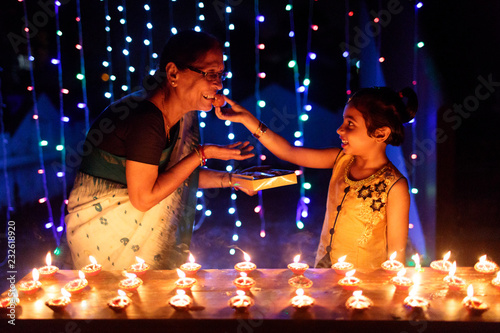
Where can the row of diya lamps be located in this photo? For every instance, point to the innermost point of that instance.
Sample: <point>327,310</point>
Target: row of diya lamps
<point>360,302</point>
<point>130,283</point>
<point>241,302</point>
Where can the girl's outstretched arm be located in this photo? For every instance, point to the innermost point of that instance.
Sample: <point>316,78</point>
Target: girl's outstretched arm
<point>398,209</point>
<point>306,157</point>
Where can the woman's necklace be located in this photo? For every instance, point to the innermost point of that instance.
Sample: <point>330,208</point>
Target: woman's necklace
<point>165,120</point>
<point>358,183</point>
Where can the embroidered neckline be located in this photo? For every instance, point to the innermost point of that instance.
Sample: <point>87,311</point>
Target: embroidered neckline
<point>358,183</point>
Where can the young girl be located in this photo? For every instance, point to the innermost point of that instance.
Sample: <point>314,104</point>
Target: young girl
<point>368,201</point>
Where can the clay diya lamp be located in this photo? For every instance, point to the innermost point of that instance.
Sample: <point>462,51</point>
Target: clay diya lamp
<point>49,269</point>
<point>184,282</point>
<point>296,267</point>
<point>244,282</point>
<point>358,301</point>
<point>245,266</point>
<point>120,302</point>
<point>241,302</point>
<point>341,266</point>
<point>93,268</point>
<point>77,285</point>
<point>442,266</point>
<point>59,303</point>
<point>301,302</point>
<point>130,283</point>
<point>415,302</point>
<point>350,282</point>
<point>401,281</point>
<point>496,281</point>
<point>139,268</point>
<point>10,302</point>
<point>484,266</point>
<point>190,268</point>
<point>30,287</point>
<point>474,304</point>
<point>453,282</point>
<point>392,265</point>
<point>181,301</point>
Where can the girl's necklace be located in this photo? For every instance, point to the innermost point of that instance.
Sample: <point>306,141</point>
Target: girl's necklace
<point>358,183</point>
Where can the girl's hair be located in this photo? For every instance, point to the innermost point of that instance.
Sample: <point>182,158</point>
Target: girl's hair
<point>382,106</point>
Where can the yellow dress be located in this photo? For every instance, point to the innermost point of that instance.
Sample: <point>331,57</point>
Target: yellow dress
<point>356,221</point>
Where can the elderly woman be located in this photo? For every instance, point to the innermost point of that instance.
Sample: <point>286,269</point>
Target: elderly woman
<point>135,193</point>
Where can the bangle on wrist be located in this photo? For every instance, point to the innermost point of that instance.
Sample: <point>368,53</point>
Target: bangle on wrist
<point>260,130</point>
<point>201,155</point>
<point>230,179</point>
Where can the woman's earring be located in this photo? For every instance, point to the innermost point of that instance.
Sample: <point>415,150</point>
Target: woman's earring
<point>173,83</point>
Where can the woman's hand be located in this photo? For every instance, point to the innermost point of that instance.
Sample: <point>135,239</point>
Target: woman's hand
<point>235,151</point>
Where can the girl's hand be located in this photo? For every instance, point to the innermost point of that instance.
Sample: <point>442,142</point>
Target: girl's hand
<point>236,113</point>
<point>235,151</point>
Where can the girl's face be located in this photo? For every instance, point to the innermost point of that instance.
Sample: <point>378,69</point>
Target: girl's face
<point>354,134</point>
<point>195,90</point>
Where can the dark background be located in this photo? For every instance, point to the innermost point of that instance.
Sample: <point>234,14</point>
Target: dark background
<point>461,44</point>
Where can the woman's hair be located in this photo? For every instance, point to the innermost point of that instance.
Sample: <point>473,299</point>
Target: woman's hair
<point>382,106</point>
<point>183,49</point>
<point>186,47</point>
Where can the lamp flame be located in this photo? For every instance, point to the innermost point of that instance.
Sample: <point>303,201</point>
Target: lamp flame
<point>191,258</point>
<point>453,269</point>
<point>483,258</point>
<point>121,293</point>
<point>139,260</point>
<point>350,273</point>
<point>65,293</point>
<point>402,272</point>
<point>181,274</point>
<point>81,275</point>
<point>181,292</point>
<point>447,256</point>
<point>470,291</point>
<point>342,259</point>
<point>35,274</point>
<point>243,274</point>
<point>357,293</point>
<point>296,258</point>
<point>48,259</point>
<point>131,275</point>
<point>299,292</point>
<point>240,292</point>
<point>393,255</point>
<point>92,260</point>
<point>416,259</point>
<point>246,256</point>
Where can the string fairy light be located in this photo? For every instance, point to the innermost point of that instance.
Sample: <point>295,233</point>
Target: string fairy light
<point>57,231</point>
<point>84,104</point>
<point>108,64</point>
<point>260,104</point>
<point>301,105</point>
<point>36,117</point>
<point>126,49</point>
<point>5,173</point>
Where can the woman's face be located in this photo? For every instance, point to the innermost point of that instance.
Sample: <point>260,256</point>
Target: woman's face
<point>195,91</point>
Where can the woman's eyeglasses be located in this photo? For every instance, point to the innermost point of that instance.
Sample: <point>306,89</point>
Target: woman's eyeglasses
<point>210,76</point>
